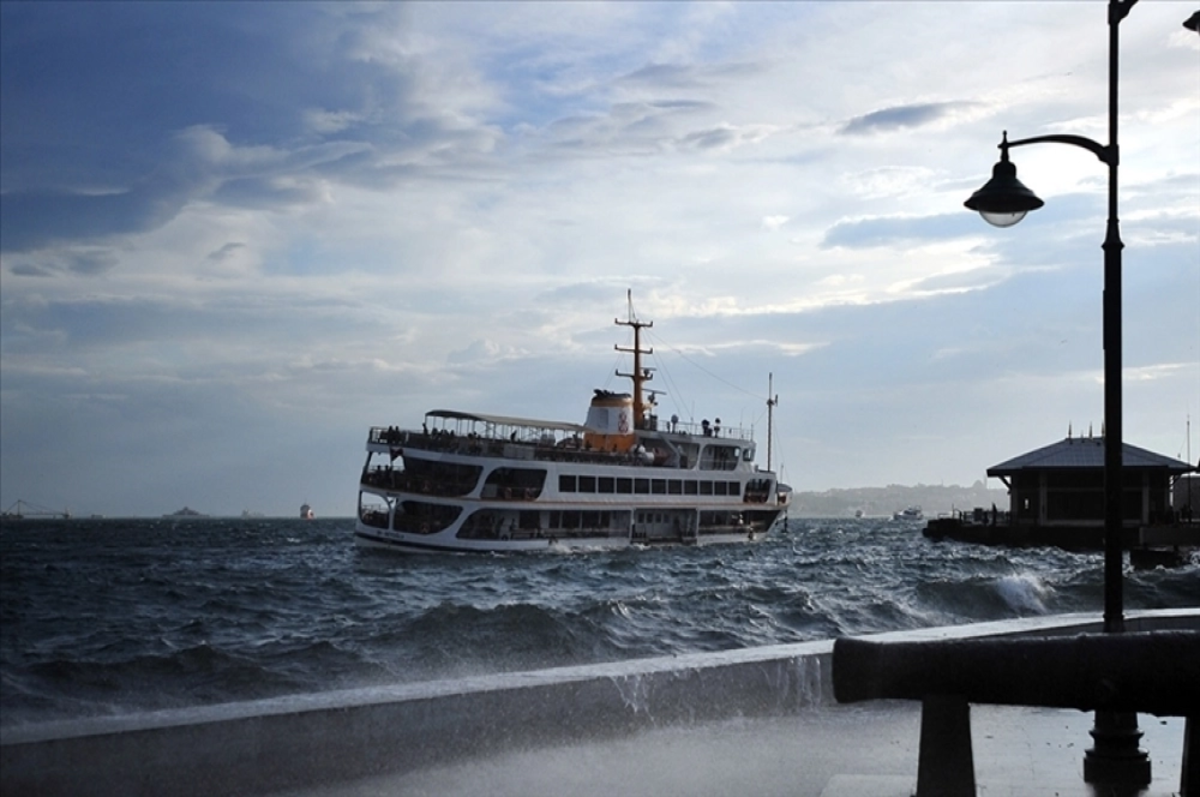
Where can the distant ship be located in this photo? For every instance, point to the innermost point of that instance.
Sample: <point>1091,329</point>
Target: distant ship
<point>910,513</point>
<point>186,512</point>
<point>306,512</point>
<point>473,482</point>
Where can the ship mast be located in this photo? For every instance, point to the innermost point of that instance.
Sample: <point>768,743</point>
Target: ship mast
<point>640,375</point>
<point>772,400</point>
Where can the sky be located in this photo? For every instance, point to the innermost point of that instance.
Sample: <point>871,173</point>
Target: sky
<point>234,236</point>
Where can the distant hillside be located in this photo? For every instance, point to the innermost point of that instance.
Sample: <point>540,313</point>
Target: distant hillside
<point>934,499</point>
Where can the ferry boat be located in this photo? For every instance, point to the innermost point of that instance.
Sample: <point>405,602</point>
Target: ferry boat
<point>469,482</point>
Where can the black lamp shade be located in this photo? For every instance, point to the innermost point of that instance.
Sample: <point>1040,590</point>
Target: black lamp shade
<point>1004,193</point>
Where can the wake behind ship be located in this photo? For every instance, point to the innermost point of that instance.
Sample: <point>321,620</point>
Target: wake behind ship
<point>468,482</point>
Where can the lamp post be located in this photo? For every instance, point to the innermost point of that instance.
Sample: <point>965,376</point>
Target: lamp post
<point>1004,201</point>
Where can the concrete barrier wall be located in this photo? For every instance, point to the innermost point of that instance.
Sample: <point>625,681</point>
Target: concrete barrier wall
<point>260,746</point>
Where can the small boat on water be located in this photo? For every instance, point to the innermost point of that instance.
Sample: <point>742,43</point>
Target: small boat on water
<point>909,513</point>
<point>470,482</point>
<point>306,512</point>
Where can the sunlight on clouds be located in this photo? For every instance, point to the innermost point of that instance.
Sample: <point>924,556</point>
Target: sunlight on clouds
<point>484,351</point>
<point>797,349</point>
<point>889,182</point>
<point>1160,371</point>
<point>841,280</point>
<point>1172,111</point>
<point>774,222</point>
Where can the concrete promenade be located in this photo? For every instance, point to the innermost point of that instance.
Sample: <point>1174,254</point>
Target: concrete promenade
<point>756,721</point>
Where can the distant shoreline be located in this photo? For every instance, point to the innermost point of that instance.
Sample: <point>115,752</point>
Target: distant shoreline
<point>873,502</point>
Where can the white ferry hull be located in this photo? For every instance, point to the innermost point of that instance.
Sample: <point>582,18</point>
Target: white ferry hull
<point>374,539</point>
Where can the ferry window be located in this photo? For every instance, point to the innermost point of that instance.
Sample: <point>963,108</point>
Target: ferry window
<point>624,484</point>
<point>556,520</point>
<point>606,484</point>
<point>658,486</point>
<point>587,484</point>
<point>720,488</point>
<point>706,488</point>
<point>735,488</point>
<point>748,455</point>
<point>566,484</point>
<point>690,487</point>
<point>641,486</point>
<point>675,487</point>
<point>570,520</point>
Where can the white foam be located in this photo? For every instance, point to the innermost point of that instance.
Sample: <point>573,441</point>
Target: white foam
<point>1024,592</point>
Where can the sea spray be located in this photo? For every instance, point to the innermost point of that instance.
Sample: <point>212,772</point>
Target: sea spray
<point>635,691</point>
<point>1025,593</point>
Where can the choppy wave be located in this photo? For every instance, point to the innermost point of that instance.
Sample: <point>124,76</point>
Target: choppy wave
<point>104,617</point>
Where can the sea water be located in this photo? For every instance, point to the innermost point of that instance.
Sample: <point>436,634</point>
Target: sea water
<point>113,616</point>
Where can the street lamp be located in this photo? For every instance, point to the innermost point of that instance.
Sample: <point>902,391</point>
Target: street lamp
<point>1003,201</point>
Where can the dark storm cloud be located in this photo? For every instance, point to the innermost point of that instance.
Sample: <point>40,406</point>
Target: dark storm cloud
<point>34,219</point>
<point>900,117</point>
<point>116,115</point>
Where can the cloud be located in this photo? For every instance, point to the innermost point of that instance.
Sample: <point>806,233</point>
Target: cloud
<point>225,252</point>
<point>86,263</point>
<point>481,351</point>
<point>966,280</point>
<point>903,117</point>
<point>690,76</point>
<point>256,121</point>
<point>893,230</point>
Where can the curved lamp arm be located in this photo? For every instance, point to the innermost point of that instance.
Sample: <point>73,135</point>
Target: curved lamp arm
<point>1108,155</point>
